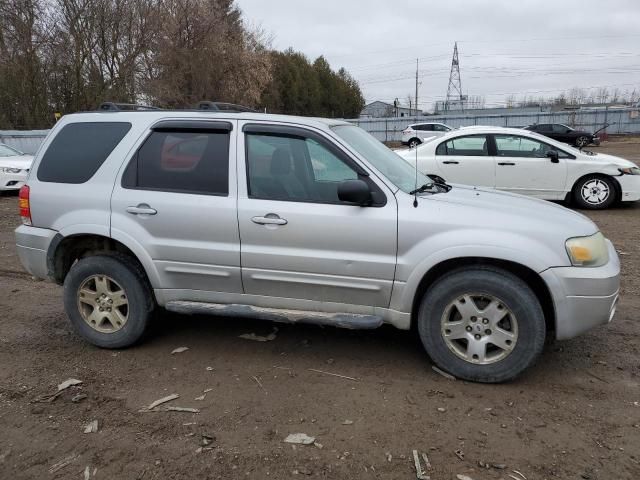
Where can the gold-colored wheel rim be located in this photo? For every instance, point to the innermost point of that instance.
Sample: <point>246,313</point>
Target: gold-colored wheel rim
<point>103,304</point>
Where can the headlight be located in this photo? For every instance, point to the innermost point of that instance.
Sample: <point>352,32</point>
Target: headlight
<point>588,251</point>
<point>10,170</point>
<point>630,171</point>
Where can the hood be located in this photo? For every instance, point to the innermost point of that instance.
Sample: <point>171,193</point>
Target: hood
<point>21,161</point>
<point>527,209</point>
<point>489,218</point>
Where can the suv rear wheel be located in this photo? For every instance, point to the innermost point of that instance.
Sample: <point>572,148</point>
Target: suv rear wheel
<point>482,324</point>
<point>108,300</point>
<point>414,142</point>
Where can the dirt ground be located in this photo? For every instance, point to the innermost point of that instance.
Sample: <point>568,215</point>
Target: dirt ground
<point>576,415</point>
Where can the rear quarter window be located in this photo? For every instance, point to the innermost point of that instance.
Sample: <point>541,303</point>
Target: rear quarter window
<point>79,149</point>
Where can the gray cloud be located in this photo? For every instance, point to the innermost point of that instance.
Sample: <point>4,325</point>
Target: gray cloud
<point>525,47</point>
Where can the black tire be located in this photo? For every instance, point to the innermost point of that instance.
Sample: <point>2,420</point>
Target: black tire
<point>130,276</point>
<point>414,142</point>
<point>582,202</point>
<point>582,141</point>
<point>514,293</point>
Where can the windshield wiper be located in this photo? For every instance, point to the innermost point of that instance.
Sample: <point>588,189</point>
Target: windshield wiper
<point>437,185</point>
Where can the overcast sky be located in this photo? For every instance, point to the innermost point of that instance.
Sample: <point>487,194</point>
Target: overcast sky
<point>526,47</point>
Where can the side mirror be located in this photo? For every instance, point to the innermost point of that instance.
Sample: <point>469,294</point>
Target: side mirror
<point>354,191</point>
<point>553,156</point>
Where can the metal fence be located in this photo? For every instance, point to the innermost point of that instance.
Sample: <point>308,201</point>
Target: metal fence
<point>621,121</point>
<point>26,141</point>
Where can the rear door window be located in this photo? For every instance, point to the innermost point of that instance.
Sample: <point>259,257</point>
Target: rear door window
<point>79,150</point>
<point>179,161</point>
<point>470,146</point>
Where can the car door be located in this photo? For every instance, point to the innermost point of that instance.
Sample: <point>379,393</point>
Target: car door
<point>523,166</point>
<point>426,131</point>
<point>298,240</point>
<point>465,159</point>
<point>177,201</point>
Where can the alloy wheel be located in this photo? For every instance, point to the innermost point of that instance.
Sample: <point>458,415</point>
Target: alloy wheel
<point>479,328</point>
<point>103,303</point>
<point>595,191</point>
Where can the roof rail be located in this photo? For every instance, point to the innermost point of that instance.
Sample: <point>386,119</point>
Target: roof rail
<point>222,106</point>
<point>117,107</point>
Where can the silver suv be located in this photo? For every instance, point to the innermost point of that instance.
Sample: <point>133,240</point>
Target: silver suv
<point>302,220</point>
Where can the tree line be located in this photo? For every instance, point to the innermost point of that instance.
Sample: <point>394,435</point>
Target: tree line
<point>71,55</point>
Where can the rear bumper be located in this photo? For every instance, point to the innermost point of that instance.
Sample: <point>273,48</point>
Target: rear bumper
<point>630,185</point>
<point>33,244</point>
<point>584,297</point>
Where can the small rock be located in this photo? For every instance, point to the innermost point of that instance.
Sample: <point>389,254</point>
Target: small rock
<point>92,427</point>
<point>209,369</point>
<point>348,422</point>
<point>207,439</point>
<point>499,466</point>
<point>37,410</point>
<point>179,350</point>
<point>463,477</point>
<point>299,438</point>
<point>78,398</point>
<point>68,383</point>
<point>442,409</point>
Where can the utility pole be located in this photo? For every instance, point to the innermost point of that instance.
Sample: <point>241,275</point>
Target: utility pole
<point>416,88</point>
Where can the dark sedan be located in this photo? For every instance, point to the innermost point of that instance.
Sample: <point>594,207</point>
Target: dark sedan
<point>563,133</point>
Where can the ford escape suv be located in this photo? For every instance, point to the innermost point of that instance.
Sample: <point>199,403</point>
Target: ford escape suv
<point>302,220</point>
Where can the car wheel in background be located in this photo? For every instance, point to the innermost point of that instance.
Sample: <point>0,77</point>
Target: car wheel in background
<point>595,192</point>
<point>582,141</point>
<point>108,300</point>
<point>414,142</point>
<point>482,324</point>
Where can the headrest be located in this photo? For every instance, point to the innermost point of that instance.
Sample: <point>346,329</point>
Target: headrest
<point>281,162</point>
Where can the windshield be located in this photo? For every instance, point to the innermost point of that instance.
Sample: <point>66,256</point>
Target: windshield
<point>8,152</point>
<point>392,166</point>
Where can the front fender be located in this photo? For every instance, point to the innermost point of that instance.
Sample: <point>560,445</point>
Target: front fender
<point>417,262</point>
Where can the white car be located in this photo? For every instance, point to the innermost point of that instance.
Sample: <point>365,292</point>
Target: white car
<point>14,168</point>
<point>521,161</point>
<point>417,133</point>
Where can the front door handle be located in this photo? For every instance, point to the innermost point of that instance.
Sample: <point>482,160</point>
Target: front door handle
<point>450,162</point>
<point>506,163</point>
<point>269,219</point>
<point>141,209</point>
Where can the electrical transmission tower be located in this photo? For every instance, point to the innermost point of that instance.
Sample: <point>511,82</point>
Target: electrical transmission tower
<point>454,90</point>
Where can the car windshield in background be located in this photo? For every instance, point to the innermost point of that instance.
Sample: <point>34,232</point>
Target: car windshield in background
<point>392,166</point>
<point>8,152</point>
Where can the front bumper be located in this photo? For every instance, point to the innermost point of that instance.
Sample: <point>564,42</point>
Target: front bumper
<point>13,181</point>
<point>630,186</point>
<point>33,244</point>
<point>584,297</point>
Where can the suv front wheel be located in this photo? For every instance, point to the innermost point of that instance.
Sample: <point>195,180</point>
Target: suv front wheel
<point>108,300</point>
<point>482,324</point>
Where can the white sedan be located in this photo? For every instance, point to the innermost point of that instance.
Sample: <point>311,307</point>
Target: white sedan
<point>525,162</point>
<point>14,168</point>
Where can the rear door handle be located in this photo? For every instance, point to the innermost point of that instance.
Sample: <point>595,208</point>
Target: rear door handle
<point>141,209</point>
<point>269,219</point>
<point>450,162</point>
<point>506,163</point>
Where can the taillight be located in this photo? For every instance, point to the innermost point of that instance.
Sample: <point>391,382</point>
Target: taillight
<point>25,207</point>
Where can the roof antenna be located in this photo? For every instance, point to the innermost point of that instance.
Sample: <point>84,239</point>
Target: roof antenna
<point>415,188</point>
